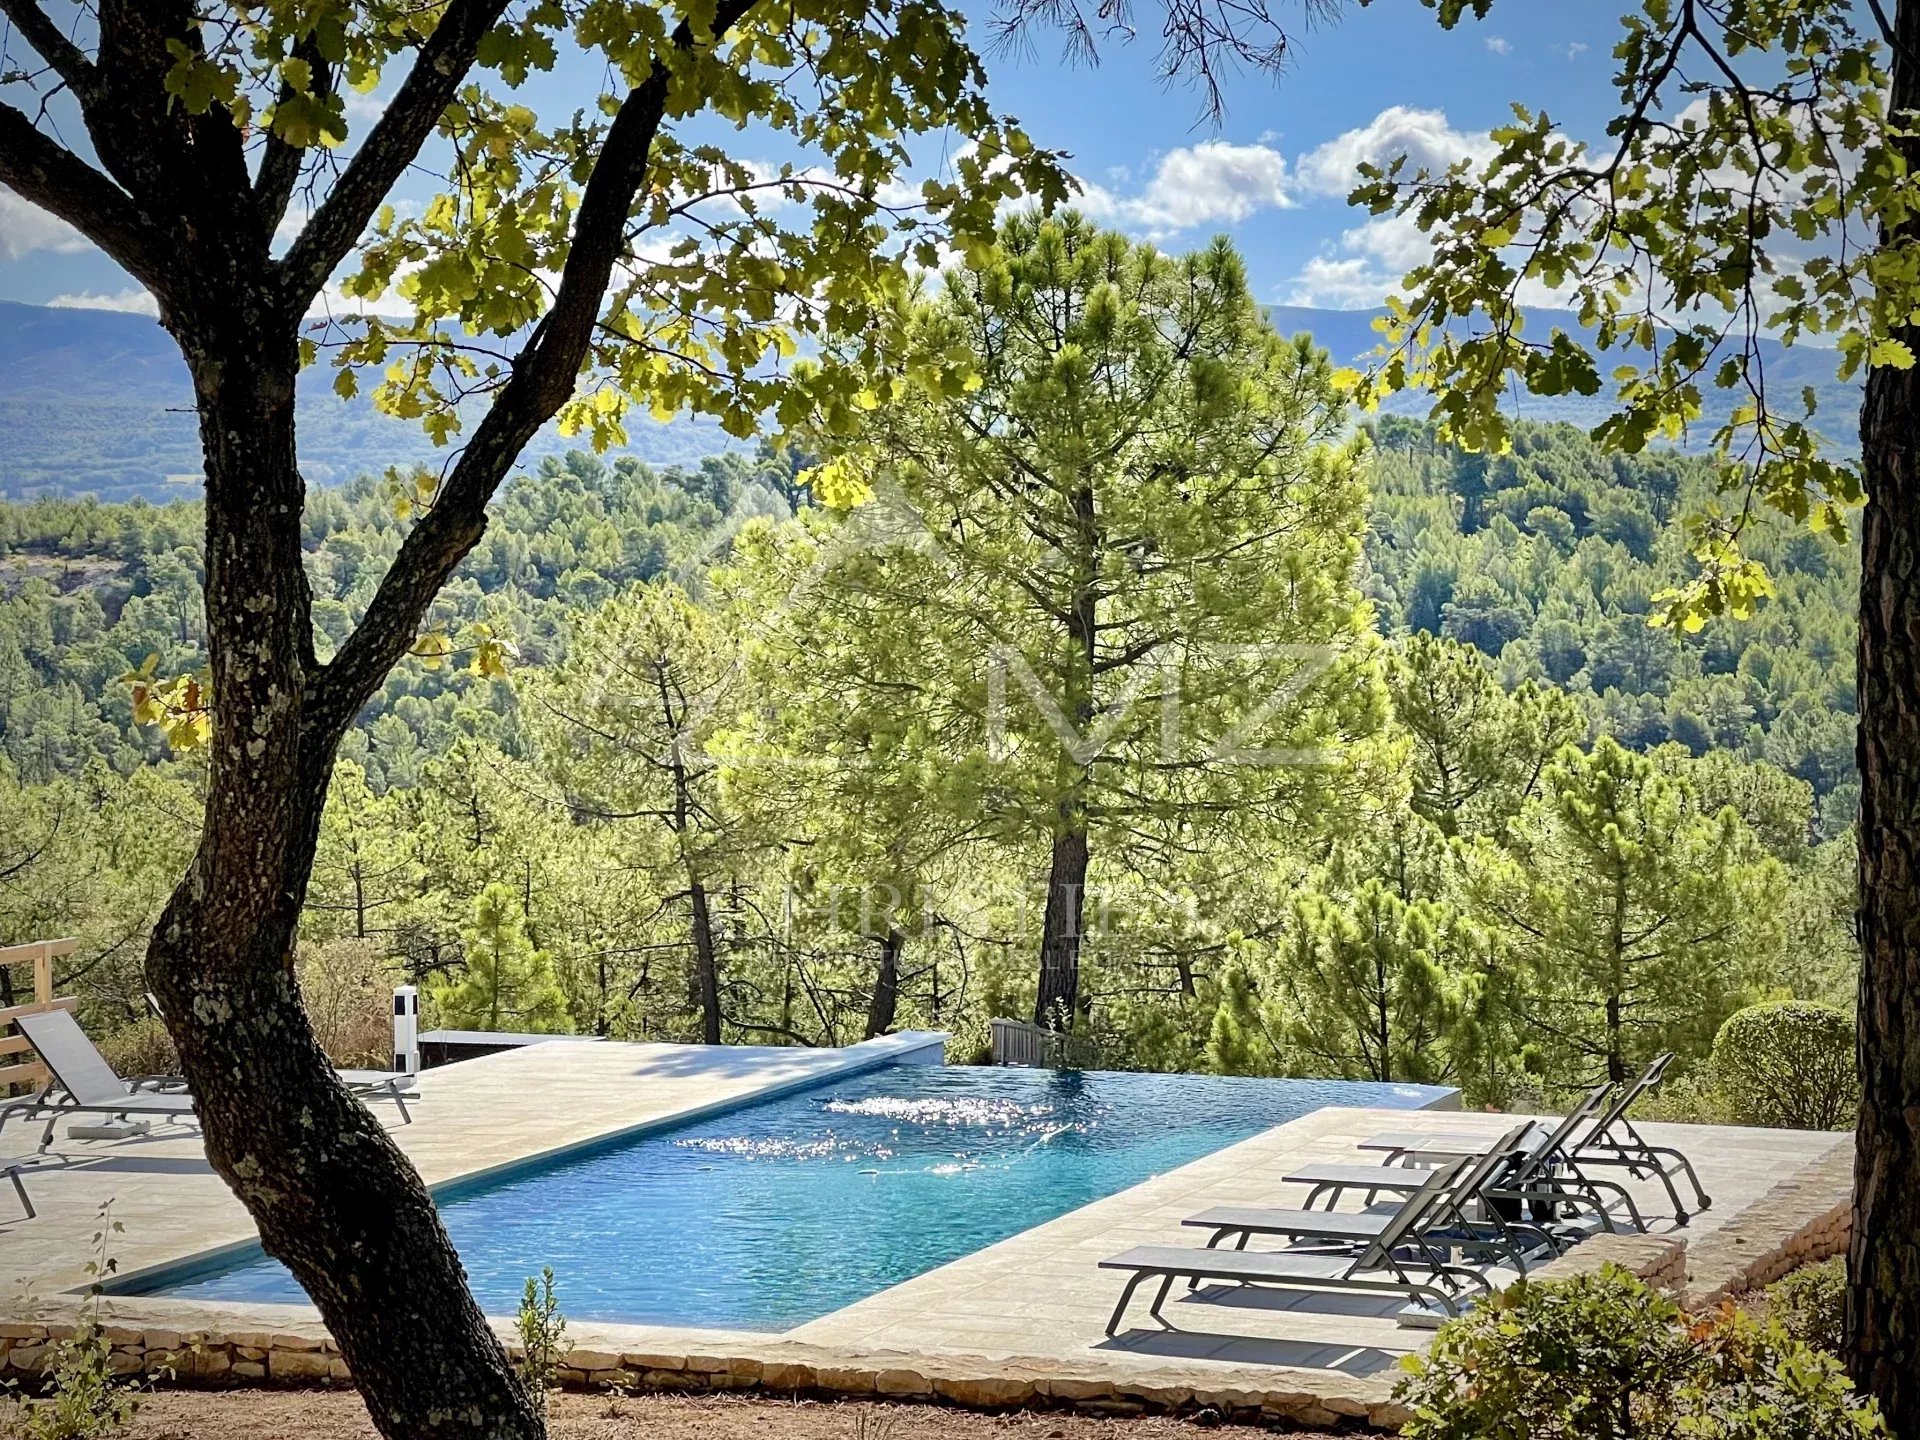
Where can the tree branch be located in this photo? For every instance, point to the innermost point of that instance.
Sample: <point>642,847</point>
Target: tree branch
<point>141,136</point>
<point>544,375</point>
<point>36,27</point>
<point>52,177</point>
<point>280,162</point>
<point>391,145</point>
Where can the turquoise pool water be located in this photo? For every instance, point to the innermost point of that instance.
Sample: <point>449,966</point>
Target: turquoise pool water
<point>768,1216</point>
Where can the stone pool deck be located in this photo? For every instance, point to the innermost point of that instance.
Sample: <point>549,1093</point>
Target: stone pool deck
<point>1020,1322</point>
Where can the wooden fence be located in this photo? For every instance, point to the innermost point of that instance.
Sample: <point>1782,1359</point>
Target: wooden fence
<point>39,955</point>
<point>1017,1043</point>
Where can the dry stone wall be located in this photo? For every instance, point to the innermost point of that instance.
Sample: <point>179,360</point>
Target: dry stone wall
<point>1323,1400</point>
<point>1806,1217</point>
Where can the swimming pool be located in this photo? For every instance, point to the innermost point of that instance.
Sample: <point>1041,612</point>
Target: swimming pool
<point>767,1216</point>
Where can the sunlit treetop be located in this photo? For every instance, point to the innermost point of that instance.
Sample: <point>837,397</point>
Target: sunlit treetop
<point>1740,195</point>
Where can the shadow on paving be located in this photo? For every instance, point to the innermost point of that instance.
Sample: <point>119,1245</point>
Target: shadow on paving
<point>1185,1341</point>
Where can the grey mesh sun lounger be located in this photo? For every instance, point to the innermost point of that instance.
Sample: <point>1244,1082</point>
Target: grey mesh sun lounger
<point>1438,1144</point>
<point>1452,1224</point>
<point>1612,1141</point>
<point>1380,1266</point>
<point>1615,1141</point>
<point>85,1084</point>
<point>1539,1178</point>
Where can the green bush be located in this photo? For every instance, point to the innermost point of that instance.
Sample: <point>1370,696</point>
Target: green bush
<point>142,1048</point>
<point>1607,1357</point>
<point>1788,1062</point>
<point>543,1337</point>
<point>1811,1304</point>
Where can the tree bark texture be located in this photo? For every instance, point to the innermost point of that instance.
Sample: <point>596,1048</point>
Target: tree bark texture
<point>1883,1302</point>
<point>886,986</point>
<point>706,963</point>
<point>333,1197</point>
<point>1057,1002</point>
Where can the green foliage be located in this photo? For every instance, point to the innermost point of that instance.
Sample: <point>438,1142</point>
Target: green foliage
<point>1788,1062</point>
<point>1810,1304</point>
<point>1606,1357</point>
<point>1641,919</point>
<point>1107,578</point>
<point>542,1331</point>
<point>1373,995</point>
<point>845,810</point>
<point>141,1048</point>
<point>1478,750</point>
<point>1751,184</point>
<point>508,984</point>
<point>81,1396</point>
<point>1461,546</point>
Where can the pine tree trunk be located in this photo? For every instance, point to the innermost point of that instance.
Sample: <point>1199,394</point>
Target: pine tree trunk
<point>332,1196</point>
<point>706,964</point>
<point>1058,1000</point>
<point>1883,1302</point>
<point>886,985</point>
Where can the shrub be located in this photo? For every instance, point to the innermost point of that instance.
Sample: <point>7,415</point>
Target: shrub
<point>142,1048</point>
<point>1811,1304</point>
<point>1788,1062</point>
<point>348,990</point>
<point>1607,1357</point>
<point>543,1337</point>
<point>81,1398</point>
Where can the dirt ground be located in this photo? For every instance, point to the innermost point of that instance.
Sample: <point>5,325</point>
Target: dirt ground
<point>330,1415</point>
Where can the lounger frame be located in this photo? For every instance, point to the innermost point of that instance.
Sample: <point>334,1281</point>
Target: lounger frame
<point>1378,1268</point>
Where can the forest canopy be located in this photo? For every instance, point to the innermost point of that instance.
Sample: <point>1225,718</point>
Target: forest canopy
<point>519,844</point>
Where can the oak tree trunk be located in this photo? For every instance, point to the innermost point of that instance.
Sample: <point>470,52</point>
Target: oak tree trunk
<point>332,1195</point>
<point>1883,1302</point>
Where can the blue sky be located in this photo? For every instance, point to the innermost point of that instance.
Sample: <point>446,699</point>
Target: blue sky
<point>1272,174</point>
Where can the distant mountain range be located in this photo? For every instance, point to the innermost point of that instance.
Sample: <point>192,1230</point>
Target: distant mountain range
<point>1349,337</point>
<point>98,402</point>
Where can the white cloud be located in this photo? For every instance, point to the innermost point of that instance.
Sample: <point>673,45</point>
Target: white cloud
<point>1498,45</point>
<point>1366,263</point>
<point>1350,282</point>
<point>1574,49</point>
<point>134,300</point>
<point>1423,136</point>
<point>25,228</point>
<point>1211,183</point>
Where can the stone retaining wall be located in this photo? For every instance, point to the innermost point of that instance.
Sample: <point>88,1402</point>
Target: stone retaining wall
<point>1660,1260</point>
<point>1322,1400</point>
<point>1804,1218</point>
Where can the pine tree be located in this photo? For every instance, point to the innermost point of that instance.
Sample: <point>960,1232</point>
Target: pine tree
<point>1122,590</point>
<point>1372,993</point>
<point>1638,920</point>
<point>508,985</point>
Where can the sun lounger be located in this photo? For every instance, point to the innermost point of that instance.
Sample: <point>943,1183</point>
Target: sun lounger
<point>1612,1140</point>
<point>1381,1265</point>
<point>1615,1141</point>
<point>20,1189</point>
<point>1407,1146</point>
<point>1466,1218</point>
<point>1539,1180</point>
<point>85,1084</point>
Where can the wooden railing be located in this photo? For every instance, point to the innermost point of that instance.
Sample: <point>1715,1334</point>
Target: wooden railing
<point>1017,1043</point>
<point>39,955</point>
